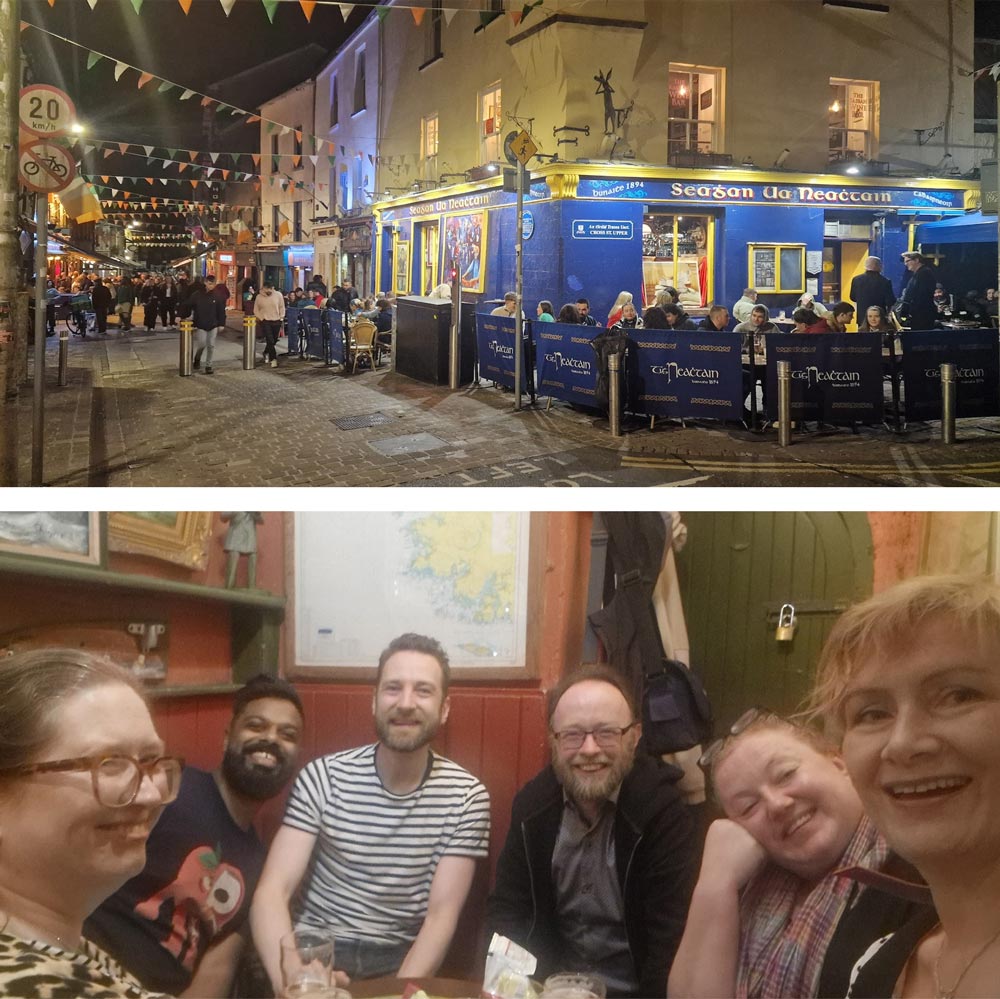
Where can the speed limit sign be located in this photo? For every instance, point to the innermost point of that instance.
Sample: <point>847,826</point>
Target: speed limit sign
<point>46,110</point>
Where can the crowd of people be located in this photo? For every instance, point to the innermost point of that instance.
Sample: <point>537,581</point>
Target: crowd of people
<point>859,857</point>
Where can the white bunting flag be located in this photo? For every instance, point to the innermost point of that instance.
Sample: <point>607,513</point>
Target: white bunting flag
<point>120,68</point>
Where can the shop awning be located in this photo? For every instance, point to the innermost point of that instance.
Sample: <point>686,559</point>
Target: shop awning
<point>972,228</point>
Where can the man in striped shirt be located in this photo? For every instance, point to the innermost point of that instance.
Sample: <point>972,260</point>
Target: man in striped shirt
<point>389,834</point>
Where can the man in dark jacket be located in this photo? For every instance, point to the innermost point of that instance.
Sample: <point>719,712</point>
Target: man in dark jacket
<point>102,297</point>
<point>342,296</point>
<point>598,866</point>
<point>716,321</point>
<point>871,288</point>
<point>919,309</point>
<point>208,311</point>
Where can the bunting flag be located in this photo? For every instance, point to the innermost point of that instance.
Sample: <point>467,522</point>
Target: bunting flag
<point>93,3</point>
<point>381,13</point>
<point>449,13</point>
<point>308,6</point>
<point>164,87</point>
<point>187,95</point>
<point>137,5</point>
<point>271,7</point>
<point>418,14</point>
<point>123,148</point>
<point>345,10</point>
<point>120,68</point>
<point>149,150</point>
<point>93,59</point>
<point>227,6</point>
<point>185,6</point>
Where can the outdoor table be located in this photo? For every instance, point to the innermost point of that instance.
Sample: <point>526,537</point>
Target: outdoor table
<point>436,988</point>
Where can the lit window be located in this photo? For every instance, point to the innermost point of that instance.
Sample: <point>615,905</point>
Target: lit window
<point>853,117</point>
<point>429,146</point>
<point>677,253</point>
<point>695,98</point>
<point>490,121</point>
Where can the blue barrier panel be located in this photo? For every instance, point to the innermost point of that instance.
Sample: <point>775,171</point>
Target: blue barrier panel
<point>836,377</point>
<point>495,342</point>
<point>292,328</point>
<point>335,323</point>
<point>313,321</point>
<point>687,374</point>
<point>976,356</point>
<point>567,364</point>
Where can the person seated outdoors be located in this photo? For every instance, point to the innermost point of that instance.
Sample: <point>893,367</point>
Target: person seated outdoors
<point>379,843</point>
<point>910,681</point>
<point>716,321</point>
<point>178,925</point>
<point>991,303</point>
<point>654,318</point>
<point>838,317</point>
<point>677,318</point>
<point>771,916</point>
<point>630,320</point>
<point>509,307</point>
<point>942,300</point>
<point>583,313</point>
<point>806,321</point>
<point>83,779</point>
<point>876,321</point>
<point>808,301</point>
<point>596,871</point>
<point>568,314</point>
<point>758,324</point>
<point>624,298</point>
<point>544,311</point>
<point>744,305</point>
<point>666,294</point>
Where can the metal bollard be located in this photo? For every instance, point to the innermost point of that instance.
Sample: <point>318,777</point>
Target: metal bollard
<point>249,341</point>
<point>948,386</point>
<point>63,358</point>
<point>187,344</point>
<point>614,394</point>
<point>784,403</point>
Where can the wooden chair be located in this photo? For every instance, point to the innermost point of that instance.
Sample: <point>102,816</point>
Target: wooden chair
<point>363,334</point>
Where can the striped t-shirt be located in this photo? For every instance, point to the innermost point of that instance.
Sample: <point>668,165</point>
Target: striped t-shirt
<point>376,852</point>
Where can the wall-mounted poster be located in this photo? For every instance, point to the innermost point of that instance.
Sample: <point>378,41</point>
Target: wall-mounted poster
<point>465,242</point>
<point>401,268</point>
<point>68,537</point>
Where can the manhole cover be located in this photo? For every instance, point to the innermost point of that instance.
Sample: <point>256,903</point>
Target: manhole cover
<point>364,420</point>
<point>390,446</point>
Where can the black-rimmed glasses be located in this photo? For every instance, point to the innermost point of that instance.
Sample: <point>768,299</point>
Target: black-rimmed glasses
<point>738,727</point>
<point>606,736</point>
<point>117,778</point>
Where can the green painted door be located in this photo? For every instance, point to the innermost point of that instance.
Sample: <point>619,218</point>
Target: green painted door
<point>737,570</point>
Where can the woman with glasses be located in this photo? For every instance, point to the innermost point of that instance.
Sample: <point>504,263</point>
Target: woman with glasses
<point>910,681</point>
<point>770,916</point>
<point>83,779</point>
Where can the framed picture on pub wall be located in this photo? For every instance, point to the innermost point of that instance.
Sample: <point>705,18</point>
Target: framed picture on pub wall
<point>465,243</point>
<point>401,268</point>
<point>179,537</point>
<point>61,537</point>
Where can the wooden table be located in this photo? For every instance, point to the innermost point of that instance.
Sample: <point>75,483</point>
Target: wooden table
<point>392,988</point>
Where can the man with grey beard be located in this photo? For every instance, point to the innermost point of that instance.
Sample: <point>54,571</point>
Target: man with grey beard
<point>597,870</point>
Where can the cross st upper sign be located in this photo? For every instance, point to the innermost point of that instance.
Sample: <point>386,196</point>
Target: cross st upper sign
<point>46,111</point>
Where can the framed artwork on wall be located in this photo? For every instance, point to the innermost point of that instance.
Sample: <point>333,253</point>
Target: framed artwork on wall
<point>171,536</point>
<point>401,267</point>
<point>63,537</point>
<point>465,243</point>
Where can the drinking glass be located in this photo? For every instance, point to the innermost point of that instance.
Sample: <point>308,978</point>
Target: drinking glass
<point>306,961</point>
<point>574,985</point>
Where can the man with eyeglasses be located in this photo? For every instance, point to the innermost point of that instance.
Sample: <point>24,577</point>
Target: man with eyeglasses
<point>177,926</point>
<point>599,863</point>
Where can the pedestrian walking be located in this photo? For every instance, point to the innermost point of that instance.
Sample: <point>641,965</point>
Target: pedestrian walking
<point>209,315</point>
<point>269,308</point>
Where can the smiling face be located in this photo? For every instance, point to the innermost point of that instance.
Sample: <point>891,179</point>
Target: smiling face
<point>628,311</point>
<point>591,773</point>
<point>798,803</point>
<point>922,741</point>
<point>262,747</point>
<point>874,316</point>
<point>58,844</point>
<point>409,703</point>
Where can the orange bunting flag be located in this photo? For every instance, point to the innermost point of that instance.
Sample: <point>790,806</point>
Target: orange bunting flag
<point>256,158</point>
<point>253,118</point>
<point>192,154</point>
<point>208,102</point>
<point>105,177</point>
<point>308,6</point>
<point>185,5</point>
<point>194,183</point>
<point>144,78</point>
<point>418,14</point>
<point>108,152</point>
<point>225,175</point>
<point>298,135</point>
<point>516,15</point>
<point>149,180</point>
<point>181,166</point>
<point>296,161</point>
<point>123,147</point>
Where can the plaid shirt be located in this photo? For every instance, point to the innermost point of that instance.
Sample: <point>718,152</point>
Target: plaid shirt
<point>783,944</point>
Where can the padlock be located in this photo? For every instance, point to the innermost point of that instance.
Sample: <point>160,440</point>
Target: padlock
<point>786,624</point>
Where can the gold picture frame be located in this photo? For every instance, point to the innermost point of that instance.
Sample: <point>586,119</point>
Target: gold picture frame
<point>179,537</point>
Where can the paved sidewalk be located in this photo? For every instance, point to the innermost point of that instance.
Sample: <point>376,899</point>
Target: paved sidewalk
<point>127,419</point>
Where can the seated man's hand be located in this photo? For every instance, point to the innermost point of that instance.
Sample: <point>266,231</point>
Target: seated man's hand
<point>731,855</point>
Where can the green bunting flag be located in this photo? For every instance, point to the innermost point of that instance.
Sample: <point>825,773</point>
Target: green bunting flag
<point>93,59</point>
<point>269,5</point>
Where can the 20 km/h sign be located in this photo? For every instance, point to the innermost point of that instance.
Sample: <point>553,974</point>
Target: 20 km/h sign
<point>46,167</point>
<point>46,110</point>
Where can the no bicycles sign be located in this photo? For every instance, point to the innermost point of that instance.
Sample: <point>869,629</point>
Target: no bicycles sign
<point>46,167</point>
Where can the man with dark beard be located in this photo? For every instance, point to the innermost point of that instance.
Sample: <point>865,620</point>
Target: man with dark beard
<point>389,834</point>
<point>177,925</point>
<point>598,867</point>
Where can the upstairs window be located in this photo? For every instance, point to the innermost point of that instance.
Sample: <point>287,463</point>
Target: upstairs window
<point>432,36</point>
<point>360,97</point>
<point>490,121</point>
<point>694,121</point>
<point>297,137</point>
<point>429,146</point>
<point>853,116</point>
<point>334,102</point>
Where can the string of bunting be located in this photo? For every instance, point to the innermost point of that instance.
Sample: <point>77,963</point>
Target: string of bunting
<point>308,7</point>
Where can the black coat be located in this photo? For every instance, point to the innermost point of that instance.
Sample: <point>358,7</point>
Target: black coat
<point>207,310</point>
<point>656,856</point>
<point>919,307</point>
<point>869,289</point>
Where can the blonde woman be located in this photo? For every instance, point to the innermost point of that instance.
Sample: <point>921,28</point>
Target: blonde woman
<point>624,298</point>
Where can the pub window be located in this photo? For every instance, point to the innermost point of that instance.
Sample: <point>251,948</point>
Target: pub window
<point>677,252</point>
<point>490,119</point>
<point>275,223</point>
<point>274,152</point>
<point>297,222</point>
<point>777,267</point>
<point>853,117</point>
<point>334,102</point>
<point>429,146</point>
<point>432,36</point>
<point>360,97</point>
<point>694,119</point>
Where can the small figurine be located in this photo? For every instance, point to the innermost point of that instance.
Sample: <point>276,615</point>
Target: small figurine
<point>241,539</point>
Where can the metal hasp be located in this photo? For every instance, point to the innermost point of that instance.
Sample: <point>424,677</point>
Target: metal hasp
<point>184,364</point>
<point>614,394</point>
<point>785,631</point>
<point>784,403</point>
<point>249,341</point>
<point>948,388</point>
<point>570,128</point>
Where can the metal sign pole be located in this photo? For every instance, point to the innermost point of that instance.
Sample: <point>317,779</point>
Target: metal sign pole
<point>38,399</point>
<point>519,289</point>
<point>455,332</point>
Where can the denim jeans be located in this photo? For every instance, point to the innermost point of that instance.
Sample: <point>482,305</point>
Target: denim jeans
<point>205,340</point>
<point>367,959</point>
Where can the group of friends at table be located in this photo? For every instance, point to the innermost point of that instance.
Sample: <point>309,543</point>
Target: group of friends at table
<point>858,852</point>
